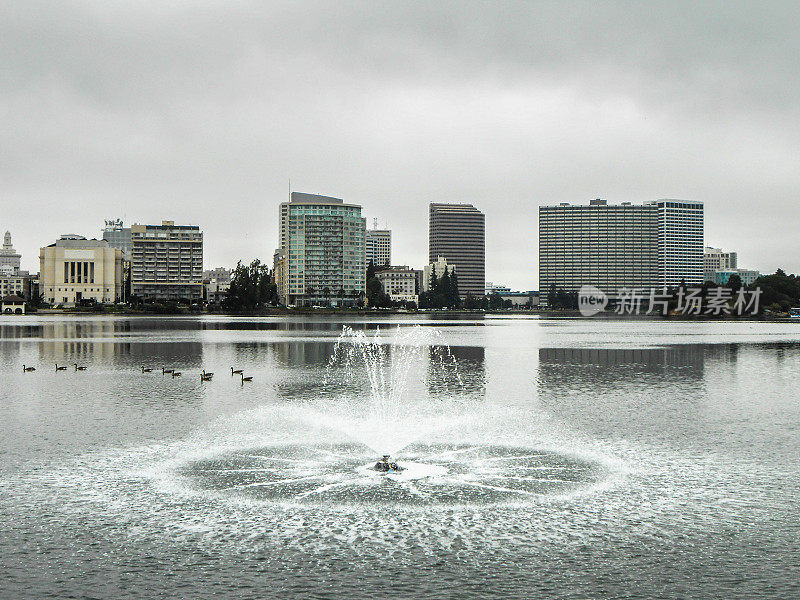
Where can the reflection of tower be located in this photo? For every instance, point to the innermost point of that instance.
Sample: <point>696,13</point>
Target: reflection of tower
<point>302,354</point>
<point>470,362</point>
<point>563,369</point>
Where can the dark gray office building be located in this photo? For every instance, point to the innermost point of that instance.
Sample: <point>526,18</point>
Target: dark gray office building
<point>457,232</point>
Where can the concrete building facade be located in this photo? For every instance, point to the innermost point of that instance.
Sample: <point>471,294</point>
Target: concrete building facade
<point>607,246</point>
<point>75,269</point>
<point>722,276</point>
<point>12,305</point>
<point>714,259</point>
<point>400,283</point>
<point>216,283</point>
<point>8,256</point>
<point>167,262</point>
<point>379,247</point>
<point>119,236</point>
<point>435,269</point>
<point>680,242</point>
<point>18,284</point>
<point>322,253</point>
<point>650,245</point>
<point>457,232</point>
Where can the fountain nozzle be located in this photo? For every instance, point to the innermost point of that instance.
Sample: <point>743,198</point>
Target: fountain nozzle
<point>387,465</point>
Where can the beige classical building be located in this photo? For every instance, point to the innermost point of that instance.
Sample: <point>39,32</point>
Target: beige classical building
<point>401,283</point>
<point>75,269</point>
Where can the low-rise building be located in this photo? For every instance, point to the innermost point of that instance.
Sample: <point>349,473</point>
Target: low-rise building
<point>12,304</point>
<point>15,283</point>
<point>435,269</point>
<point>75,269</point>
<point>216,283</point>
<point>715,259</point>
<point>400,283</point>
<point>747,276</point>
<point>529,299</point>
<point>495,288</point>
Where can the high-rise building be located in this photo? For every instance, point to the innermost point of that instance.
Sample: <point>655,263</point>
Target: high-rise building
<point>611,247</point>
<point>457,232</point>
<point>322,256</point>
<point>714,259</point>
<point>167,262</point>
<point>118,236</point>
<point>680,242</point>
<point>9,257</point>
<point>379,247</point>
<point>75,269</point>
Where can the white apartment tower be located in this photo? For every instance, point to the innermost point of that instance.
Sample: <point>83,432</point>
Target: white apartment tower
<point>680,242</point>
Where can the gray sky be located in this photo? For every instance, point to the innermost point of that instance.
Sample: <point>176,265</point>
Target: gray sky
<point>201,112</point>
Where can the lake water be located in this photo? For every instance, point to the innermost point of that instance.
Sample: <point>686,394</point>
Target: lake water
<point>548,458</point>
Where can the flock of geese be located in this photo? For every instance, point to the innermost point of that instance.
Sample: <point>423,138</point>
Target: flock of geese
<point>204,376</point>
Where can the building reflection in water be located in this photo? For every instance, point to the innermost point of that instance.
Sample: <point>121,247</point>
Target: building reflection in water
<point>115,341</point>
<point>470,362</point>
<point>302,353</point>
<point>591,368</point>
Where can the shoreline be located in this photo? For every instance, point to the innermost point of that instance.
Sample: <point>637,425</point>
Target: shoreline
<point>553,314</point>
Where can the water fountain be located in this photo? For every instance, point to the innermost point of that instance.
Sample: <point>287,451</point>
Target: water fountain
<point>388,419</point>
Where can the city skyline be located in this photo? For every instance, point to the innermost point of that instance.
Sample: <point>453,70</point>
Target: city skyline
<point>210,109</point>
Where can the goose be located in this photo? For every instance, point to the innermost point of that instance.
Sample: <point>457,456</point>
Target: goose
<point>176,373</point>
<point>25,369</point>
<point>246,379</point>
<point>145,370</point>
<point>205,377</point>
<point>60,368</point>
<point>236,372</point>
<point>77,368</point>
<point>209,375</point>
<point>165,371</point>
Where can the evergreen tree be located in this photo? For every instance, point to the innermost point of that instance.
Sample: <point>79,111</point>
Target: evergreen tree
<point>455,297</point>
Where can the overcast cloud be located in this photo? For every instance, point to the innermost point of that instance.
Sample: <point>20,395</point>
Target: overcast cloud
<point>201,112</point>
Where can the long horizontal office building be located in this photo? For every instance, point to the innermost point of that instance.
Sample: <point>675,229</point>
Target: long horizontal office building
<point>650,245</point>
